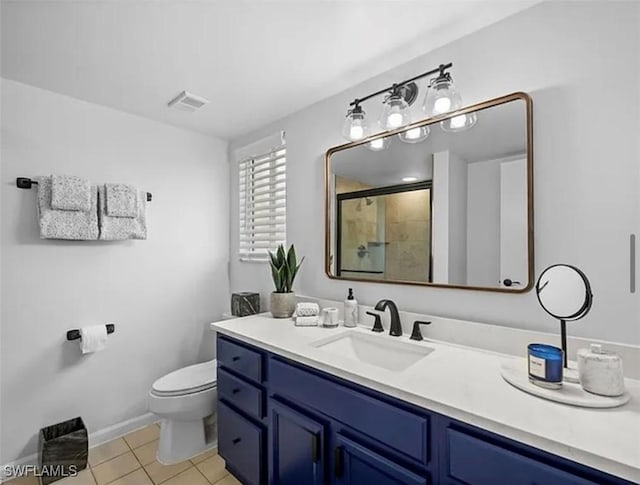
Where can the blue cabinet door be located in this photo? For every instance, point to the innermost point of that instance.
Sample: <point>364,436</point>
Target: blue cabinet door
<point>296,447</point>
<point>354,464</point>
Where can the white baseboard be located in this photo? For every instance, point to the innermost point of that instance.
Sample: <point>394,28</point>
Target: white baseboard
<point>120,429</point>
<point>95,439</point>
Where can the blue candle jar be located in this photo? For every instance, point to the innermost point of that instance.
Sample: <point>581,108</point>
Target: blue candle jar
<point>546,363</point>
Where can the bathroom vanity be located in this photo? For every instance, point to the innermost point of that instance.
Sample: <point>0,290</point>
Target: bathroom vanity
<point>295,407</point>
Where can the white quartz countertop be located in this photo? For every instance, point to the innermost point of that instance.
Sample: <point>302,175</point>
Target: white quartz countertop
<point>465,383</point>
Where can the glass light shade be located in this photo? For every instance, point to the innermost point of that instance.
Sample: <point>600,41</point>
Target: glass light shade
<point>414,135</point>
<point>459,123</point>
<point>355,125</point>
<point>442,97</point>
<point>395,112</point>
<point>378,144</point>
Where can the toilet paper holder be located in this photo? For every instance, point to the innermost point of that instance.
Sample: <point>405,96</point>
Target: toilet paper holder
<point>75,333</point>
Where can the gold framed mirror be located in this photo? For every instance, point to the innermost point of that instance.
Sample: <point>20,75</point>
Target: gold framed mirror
<point>446,201</point>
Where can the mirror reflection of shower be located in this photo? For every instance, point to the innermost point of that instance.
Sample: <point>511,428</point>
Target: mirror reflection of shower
<point>367,201</point>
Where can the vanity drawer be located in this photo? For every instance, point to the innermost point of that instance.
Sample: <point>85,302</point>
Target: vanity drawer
<point>240,359</point>
<point>240,443</point>
<point>477,462</point>
<point>241,394</point>
<point>401,430</point>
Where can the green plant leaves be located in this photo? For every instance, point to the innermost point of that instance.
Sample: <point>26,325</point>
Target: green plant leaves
<point>284,268</point>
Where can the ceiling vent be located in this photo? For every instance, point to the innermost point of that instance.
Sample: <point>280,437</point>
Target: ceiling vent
<point>185,101</point>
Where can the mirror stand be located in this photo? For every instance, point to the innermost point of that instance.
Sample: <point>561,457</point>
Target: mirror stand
<point>563,336</point>
<point>564,292</point>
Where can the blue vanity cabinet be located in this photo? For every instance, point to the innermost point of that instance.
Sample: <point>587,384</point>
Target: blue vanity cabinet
<point>472,456</point>
<point>297,443</point>
<point>355,464</point>
<point>242,427</point>
<point>288,423</point>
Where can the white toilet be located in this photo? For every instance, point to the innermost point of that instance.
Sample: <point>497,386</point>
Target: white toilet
<point>183,399</point>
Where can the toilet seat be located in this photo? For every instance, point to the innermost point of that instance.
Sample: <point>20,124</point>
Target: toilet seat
<point>188,380</point>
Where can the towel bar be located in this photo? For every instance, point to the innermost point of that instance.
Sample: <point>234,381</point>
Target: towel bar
<point>75,333</point>
<point>26,183</point>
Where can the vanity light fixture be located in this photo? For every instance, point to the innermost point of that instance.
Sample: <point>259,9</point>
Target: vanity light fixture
<point>442,95</point>
<point>400,96</point>
<point>355,126</point>
<point>459,123</point>
<point>378,144</point>
<point>415,135</point>
<point>409,179</point>
<point>395,110</point>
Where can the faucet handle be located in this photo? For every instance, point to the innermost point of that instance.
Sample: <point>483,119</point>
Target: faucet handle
<point>416,334</point>
<point>377,326</point>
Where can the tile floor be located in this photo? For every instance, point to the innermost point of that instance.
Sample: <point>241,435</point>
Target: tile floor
<point>131,460</point>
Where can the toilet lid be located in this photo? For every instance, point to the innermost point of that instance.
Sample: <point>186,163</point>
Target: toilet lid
<point>189,379</point>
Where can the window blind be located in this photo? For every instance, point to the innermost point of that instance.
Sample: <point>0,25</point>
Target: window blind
<point>263,211</point>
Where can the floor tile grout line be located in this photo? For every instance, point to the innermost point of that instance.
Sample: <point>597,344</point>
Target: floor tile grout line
<point>200,472</point>
<point>92,475</point>
<point>144,470</point>
<point>132,471</point>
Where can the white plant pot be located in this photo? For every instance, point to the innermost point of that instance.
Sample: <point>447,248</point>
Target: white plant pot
<point>283,304</point>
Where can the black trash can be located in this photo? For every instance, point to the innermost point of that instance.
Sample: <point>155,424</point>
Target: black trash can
<point>63,449</point>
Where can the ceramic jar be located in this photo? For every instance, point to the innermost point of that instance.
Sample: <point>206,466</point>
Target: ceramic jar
<point>600,371</point>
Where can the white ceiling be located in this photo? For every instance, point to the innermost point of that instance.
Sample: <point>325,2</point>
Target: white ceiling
<point>256,61</point>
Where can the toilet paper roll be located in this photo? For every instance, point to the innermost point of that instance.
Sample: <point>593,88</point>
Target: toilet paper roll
<point>329,317</point>
<point>93,338</point>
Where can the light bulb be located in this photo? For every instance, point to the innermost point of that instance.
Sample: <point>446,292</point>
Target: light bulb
<point>394,120</point>
<point>395,112</point>
<point>355,125</point>
<point>459,123</point>
<point>441,105</point>
<point>442,96</point>
<point>378,144</point>
<point>414,135</point>
<point>356,132</point>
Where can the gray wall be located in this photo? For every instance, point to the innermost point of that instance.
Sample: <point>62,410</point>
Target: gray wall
<point>580,62</point>
<point>160,293</point>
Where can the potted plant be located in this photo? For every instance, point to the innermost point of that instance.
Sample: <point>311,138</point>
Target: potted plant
<point>284,268</point>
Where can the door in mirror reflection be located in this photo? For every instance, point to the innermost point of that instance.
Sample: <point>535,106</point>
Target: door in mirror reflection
<point>453,208</point>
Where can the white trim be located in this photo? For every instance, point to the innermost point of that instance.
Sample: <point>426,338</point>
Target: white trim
<point>120,429</point>
<point>96,438</point>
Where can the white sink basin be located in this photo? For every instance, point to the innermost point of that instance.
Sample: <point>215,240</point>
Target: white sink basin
<point>379,350</point>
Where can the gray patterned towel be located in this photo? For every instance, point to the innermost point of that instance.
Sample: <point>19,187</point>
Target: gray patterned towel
<point>69,193</point>
<point>122,228</point>
<point>121,200</point>
<point>66,224</point>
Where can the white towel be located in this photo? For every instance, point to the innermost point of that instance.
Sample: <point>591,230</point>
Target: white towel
<point>307,309</point>
<point>93,338</point>
<point>65,224</point>
<point>311,321</point>
<point>69,193</point>
<point>121,200</point>
<point>122,228</point>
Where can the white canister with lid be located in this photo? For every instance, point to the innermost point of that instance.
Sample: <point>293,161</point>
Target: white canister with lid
<point>600,371</point>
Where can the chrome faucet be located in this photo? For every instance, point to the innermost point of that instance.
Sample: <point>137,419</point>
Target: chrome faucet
<point>396,327</point>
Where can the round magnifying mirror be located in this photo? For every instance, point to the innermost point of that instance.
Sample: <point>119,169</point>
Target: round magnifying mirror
<point>565,293</point>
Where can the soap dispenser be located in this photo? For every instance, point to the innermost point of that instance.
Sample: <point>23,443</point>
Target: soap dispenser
<point>350,310</point>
